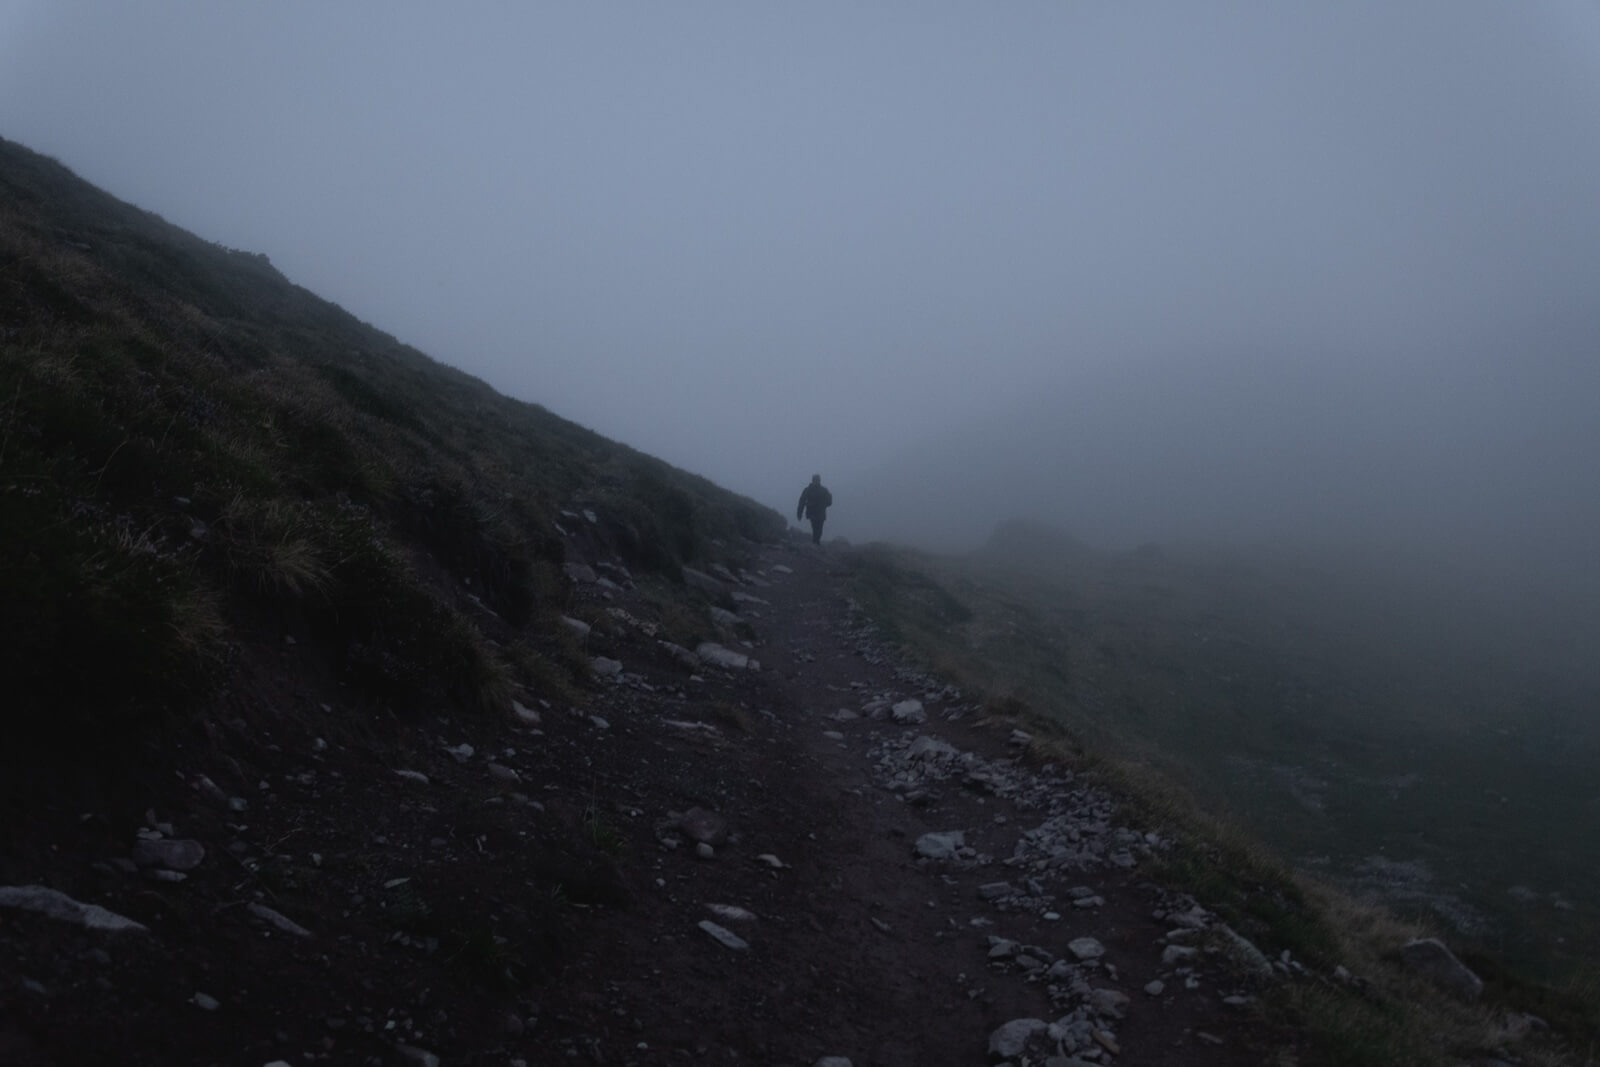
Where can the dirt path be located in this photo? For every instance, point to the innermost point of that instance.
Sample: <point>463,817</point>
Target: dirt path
<point>528,890</point>
<point>860,949</point>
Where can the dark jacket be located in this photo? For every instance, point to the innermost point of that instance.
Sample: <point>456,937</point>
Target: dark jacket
<point>814,501</point>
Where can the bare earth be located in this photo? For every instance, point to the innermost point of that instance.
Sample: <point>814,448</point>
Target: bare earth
<point>554,918</point>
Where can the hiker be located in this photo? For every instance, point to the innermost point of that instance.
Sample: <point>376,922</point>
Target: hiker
<point>814,501</point>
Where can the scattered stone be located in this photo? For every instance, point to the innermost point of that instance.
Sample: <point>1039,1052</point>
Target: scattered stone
<point>277,919</point>
<point>1016,1037</point>
<point>678,724</point>
<point>732,913</point>
<point>501,773</point>
<point>705,851</point>
<point>1002,948</point>
<point>718,656</point>
<point>833,1061</point>
<point>681,654</point>
<point>705,827</point>
<point>995,890</point>
<point>1020,738</point>
<point>580,572</point>
<point>724,935</point>
<point>1176,954</point>
<point>929,748</point>
<point>833,735</point>
<point>1086,948</point>
<point>605,667</point>
<point>413,776</point>
<point>772,861</point>
<point>941,845</point>
<point>462,752</point>
<point>204,1002</point>
<point>579,628</point>
<point>54,904</point>
<point>179,855</point>
<point>1243,952</point>
<point>420,1057</point>
<point>1429,957</point>
<point>1109,1002</point>
<point>598,723</point>
<point>1155,988</point>
<point>724,617</point>
<point>909,711</point>
<point>524,714</point>
<point>704,582</point>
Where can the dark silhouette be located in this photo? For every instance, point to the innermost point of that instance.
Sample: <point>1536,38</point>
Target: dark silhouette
<point>814,501</point>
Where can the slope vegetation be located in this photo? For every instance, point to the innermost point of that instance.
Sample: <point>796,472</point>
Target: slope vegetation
<point>200,460</point>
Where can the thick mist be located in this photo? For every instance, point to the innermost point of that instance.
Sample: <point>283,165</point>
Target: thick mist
<point>1227,271</point>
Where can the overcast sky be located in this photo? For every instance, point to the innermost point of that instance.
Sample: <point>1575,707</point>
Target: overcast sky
<point>766,240</point>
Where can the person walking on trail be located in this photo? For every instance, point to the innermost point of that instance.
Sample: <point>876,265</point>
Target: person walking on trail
<point>814,502</point>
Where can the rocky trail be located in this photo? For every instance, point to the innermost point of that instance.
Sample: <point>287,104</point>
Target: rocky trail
<point>787,850</point>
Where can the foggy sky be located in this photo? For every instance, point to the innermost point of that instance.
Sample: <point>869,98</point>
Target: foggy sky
<point>1148,268</point>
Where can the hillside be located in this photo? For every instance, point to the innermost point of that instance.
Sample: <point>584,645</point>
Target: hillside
<point>198,453</point>
<point>359,714</point>
<point>1392,727</point>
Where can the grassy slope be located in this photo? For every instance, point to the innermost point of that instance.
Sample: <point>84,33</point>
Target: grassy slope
<point>192,447</point>
<point>1161,672</point>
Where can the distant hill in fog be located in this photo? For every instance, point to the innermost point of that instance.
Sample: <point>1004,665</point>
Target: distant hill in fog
<point>1031,544</point>
<point>1439,458</point>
